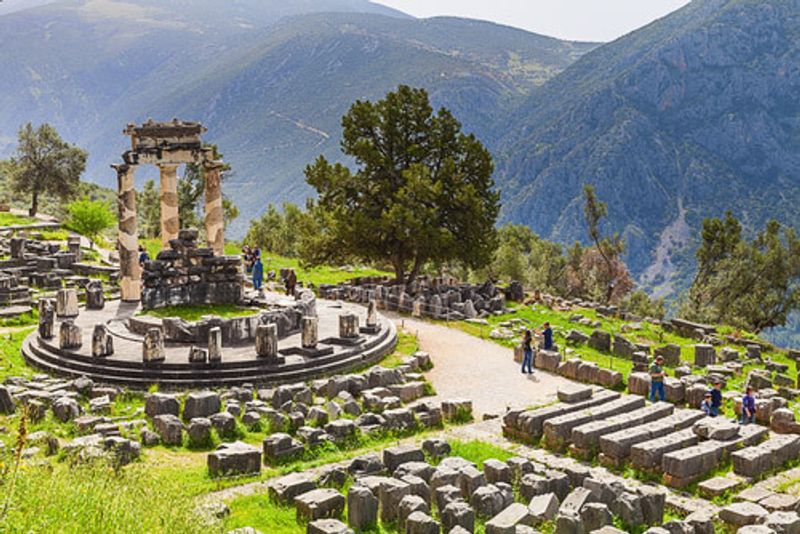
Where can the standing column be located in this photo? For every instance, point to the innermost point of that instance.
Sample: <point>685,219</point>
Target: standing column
<point>128,237</point>
<point>215,225</point>
<point>170,223</point>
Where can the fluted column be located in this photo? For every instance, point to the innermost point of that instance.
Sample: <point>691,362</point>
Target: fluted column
<point>215,224</point>
<point>128,235</point>
<point>170,222</point>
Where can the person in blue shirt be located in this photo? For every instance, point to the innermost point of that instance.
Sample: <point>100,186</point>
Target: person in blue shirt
<point>143,256</point>
<point>547,333</point>
<point>258,273</point>
<point>716,399</point>
<point>748,407</point>
<point>527,350</point>
<point>706,404</point>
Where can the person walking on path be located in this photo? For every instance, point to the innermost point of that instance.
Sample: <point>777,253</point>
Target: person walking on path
<point>716,398</point>
<point>291,282</point>
<point>547,334</point>
<point>258,273</point>
<point>657,375</point>
<point>527,351</point>
<point>748,407</point>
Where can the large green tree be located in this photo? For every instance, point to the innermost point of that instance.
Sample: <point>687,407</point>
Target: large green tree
<point>45,164</point>
<point>752,284</point>
<point>191,188</point>
<point>277,231</point>
<point>422,191</point>
<point>90,218</point>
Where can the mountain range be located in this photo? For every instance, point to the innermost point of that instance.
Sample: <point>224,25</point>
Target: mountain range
<point>689,116</point>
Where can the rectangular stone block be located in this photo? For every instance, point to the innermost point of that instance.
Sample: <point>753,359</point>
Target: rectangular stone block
<point>648,455</point>
<point>771,454</point>
<point>588,436</point>
<point>557,431</point>
<point>617,445</point>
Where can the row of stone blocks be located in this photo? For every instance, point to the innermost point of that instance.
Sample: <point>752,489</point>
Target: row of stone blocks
<point>577,369</point>
<point>463,494</point>
<point>684,445</point>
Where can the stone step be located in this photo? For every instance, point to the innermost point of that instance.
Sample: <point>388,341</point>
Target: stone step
<point>528,424</point>
<point>756,460</point>
<point>682,467</point>
<point>135,374</point>
<point>648,454</point>
<point>558,430</point>
<point>616,447</point>
<point>588,436</point>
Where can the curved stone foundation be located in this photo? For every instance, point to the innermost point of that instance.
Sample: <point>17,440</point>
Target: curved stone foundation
<point>239,363</point>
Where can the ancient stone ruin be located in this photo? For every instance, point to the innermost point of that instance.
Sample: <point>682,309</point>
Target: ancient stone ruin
<point>167,145</point>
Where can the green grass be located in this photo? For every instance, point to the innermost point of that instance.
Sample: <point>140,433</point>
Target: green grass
<point>11,361</point>
<point>26,319</point>
<point>196,312</point>
<point>53,235</point>
<point>10,219</point>
<point>478,451</point>
<point>317,275</point>
<point>406,346</point>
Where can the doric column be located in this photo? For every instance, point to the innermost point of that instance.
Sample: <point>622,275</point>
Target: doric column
<point>128,236</point>
<point>215,224</point>
<point>170,222</point>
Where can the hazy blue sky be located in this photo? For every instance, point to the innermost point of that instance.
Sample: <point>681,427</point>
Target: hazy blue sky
<point>586,20</point>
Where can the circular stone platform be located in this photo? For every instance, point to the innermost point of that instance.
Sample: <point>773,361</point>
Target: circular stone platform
<point>239,362</point>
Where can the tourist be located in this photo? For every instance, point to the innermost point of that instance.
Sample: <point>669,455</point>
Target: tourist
<point>716,398</point>
<point>258,274</point>
<point>527,351</point>
<point>143,256</point>
<point>748,407</point>
<point>657,375</point>
<point>706,404</point>
<point>247,256</point>
<point>547,333</point>
<point>291,282</point>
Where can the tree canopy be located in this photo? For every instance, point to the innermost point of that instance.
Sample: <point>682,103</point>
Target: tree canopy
<point>45,164</point>
<point>422,191</point>
<point>751,284</point>
<point>90,217</point>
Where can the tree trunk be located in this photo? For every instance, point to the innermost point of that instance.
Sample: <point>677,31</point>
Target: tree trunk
<point>414,271</point>
<point>34,204</point>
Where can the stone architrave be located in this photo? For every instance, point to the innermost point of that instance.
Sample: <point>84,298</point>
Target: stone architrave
<point>214,222</point>
<point>215,345</point>
<point>372,313</point>
<point>153,346</point>
<point>67,303</point>
<point>310,333</point>
<point>47,315</point>
<point>267,341</point>
<point>102,342</point>
<point>127,239</point>
<point>348,325</point>
<point>70,335</point>
<point>170,223</point>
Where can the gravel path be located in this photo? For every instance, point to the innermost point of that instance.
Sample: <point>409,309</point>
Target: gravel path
<point>478,369</point>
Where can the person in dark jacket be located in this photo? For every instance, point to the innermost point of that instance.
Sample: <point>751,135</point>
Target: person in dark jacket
<point>748,407</point>
<point>527,351</point>
<point>547,334</point>
<point>716,399</point>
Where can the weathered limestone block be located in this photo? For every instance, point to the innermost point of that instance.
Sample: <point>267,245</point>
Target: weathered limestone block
<point>600,341</point>
<point>322,526</point>
<point>67,303</point>
<point>455,409</point>
<point>169,428</point>
<point>70,335</point>
<point>573,392</point>
<point>671,354</point>
<point>617,445</point>
<point>639,384</point>
<point>587,436</point>
<point>756,460</point>
<point>547,360</point>
<point>102,342</point>
<point>506,521</point>
<point>198,355</point>
<point>201,404</point>
<point>740,514</point>
<point>783,422</point>
<point>394,457</point>
<point>310,336</point>
<point>716,428</point>
<point>267,341</point>
<point>319,504</point>
<point>160,404</point>
<point>458,514</point>
<point>153,346</point>
<point>17,246</point>
<point>408,505</point>
<point>704,355</point>
<point>497,471</point>
<point>95,298</point>
<point>7,403</point>
<point>648,454</point>
<point>348,326</point>
<point>623,348</point>
<point>372,314</point>
<point>595,515</point>
<point>470,479</point>
<point>279,445</point>
<point>488,501</point>
<point>235,458</point>
<point>215,345</point>
<point>284,489</point>
<point>66,409</point>
<point>421,523</point>
<point>46,318</point>
<point>362,507</point>
<point>390,494</point>
<point>544,507</point>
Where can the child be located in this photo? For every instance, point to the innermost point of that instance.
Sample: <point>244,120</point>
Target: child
<point>748,407</point>
<point>706,405</point>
